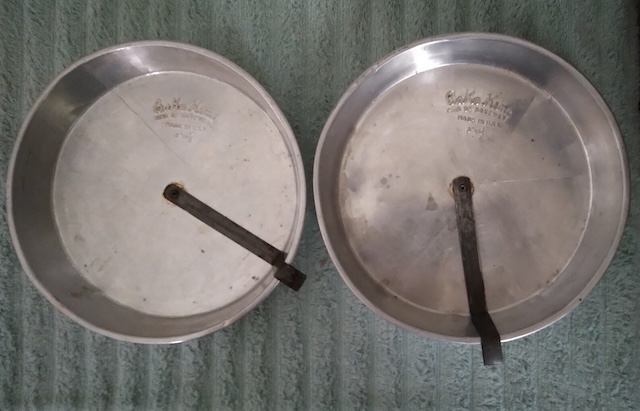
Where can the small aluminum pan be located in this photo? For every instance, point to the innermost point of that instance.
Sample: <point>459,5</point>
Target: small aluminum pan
<point>538,143</point>
<point>85,191</point>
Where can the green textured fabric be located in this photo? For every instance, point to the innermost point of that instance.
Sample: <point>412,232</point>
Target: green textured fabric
<point>319,348</point>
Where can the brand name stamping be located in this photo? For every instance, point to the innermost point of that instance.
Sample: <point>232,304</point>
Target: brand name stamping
<point>471,101</point>
<point>165,109</point>
<point>480,112</point>
<point>186,120</point>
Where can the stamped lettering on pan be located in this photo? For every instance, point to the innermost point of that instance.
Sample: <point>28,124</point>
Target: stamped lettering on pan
<point>187,118</point>
<point>479,111</point>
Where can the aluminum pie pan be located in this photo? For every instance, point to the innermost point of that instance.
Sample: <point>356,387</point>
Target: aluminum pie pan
<point>545,156</point>
<point>85,191</point>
